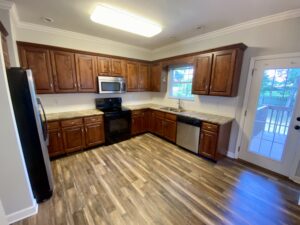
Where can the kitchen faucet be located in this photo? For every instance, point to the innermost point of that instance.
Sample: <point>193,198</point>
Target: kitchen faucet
<point>179,104</point>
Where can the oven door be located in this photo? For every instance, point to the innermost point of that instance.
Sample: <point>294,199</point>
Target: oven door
<point>108,85</point>
<point>117,127</point>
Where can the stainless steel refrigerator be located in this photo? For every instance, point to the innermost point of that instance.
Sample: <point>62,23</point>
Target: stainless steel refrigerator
<point>32,127</point>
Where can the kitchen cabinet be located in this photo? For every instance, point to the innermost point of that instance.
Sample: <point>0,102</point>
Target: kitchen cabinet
<point>110,66</point>
<point>94,131</point>
<point>132,73</point>
<point>38,60</point>
<point>70,135</point>
<point>55,146</point>
<point>138,76</point>
<point>217,73</point>
<point>164,125</point>
<point>155,76</point>
<point>139,122</point>
<point>202,74</point>
<point>223,72</point>
<point>63,69</point>
<point>73,135</point>
<point>214,140</point>
<point>144,77</point>
<point>4,34</point>
<point>86,71</point>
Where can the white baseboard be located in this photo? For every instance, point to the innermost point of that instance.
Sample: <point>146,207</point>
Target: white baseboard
<point>22,214</point>
<point>231,155</point>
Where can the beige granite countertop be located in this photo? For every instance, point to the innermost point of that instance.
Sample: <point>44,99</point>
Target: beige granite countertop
<point>217,119</point>
<point>73,114</point>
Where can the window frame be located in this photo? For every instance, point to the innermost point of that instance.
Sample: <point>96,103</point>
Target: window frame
<point>171,82</point>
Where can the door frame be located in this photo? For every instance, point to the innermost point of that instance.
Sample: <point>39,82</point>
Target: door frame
<point>242,118</point>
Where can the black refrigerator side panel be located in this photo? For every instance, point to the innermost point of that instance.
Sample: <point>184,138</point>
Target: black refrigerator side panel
<point>28,133</point>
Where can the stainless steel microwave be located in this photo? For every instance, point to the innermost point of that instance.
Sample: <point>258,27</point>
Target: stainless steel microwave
<point>108,85</point>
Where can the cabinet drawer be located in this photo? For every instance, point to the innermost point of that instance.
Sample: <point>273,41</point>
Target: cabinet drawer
<point>159,114</point>
<point>72,122</point>
<point>170,116</point>
<point>53,125</point>
<point>137,112</point>
<point>93,119</point>
<point>210,127</point>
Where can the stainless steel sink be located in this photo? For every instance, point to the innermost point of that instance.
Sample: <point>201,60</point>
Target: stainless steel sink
<point>172,109</point>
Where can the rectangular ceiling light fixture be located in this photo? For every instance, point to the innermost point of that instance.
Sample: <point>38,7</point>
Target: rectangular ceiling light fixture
<point>122,20</point>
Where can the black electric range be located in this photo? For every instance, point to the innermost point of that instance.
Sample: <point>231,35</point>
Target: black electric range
<point>117,119</point>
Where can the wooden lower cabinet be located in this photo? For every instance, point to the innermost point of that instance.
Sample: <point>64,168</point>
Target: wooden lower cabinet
<point>73,138</point>
<point>170,129</point>
<point>55,146</point>
<point>208,143</point>
<point>214,140</point>
<point>72,135</point>
<point>160,123</point>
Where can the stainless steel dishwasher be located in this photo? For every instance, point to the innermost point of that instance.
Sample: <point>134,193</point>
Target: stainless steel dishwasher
<point>188,133</point>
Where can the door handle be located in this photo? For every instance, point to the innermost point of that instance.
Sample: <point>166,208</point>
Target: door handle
<point>297,127</point>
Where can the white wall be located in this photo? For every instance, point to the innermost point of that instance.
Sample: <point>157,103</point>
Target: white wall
<point>15,190</point>
<point>71,102</point>
<point>272,38</point>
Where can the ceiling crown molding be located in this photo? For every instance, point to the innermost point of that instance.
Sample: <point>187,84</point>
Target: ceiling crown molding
<point>238,27</point>
<point>6,4</point>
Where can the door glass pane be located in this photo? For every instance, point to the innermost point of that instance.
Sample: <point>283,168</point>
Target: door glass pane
<point>274,111</point>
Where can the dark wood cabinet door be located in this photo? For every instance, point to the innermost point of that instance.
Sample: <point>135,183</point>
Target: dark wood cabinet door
<point>144,77</point>
<point>73,138</point>
<point>94,134</point>
<point>159,126</point>
<point>55,146</point>
<point>202,74</point>
<point>104,66</point>
<point>208,143</point>
<point>170,129</point>
<point>222,72</point>
<point>86,73</point>
<point>150,116</point>
<point>136,125</point>
<point>38,60</point>
<point>63,68</point>
<point>132,76</point>
<point>155,77</point>
<point>117,67</point>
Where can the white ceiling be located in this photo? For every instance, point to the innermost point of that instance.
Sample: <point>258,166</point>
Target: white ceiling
<point>179,18</point>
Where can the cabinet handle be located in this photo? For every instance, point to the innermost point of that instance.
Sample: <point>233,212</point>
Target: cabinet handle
<point>206,87</point>
<point>86,130</point>
<point>210,87</point>
<point>75,84</point>
<point>82,130</point>
<point>51,85</point>
<point>58,134</point>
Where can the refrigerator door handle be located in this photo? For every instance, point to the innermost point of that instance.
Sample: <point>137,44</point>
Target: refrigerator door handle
<point>45,120</point>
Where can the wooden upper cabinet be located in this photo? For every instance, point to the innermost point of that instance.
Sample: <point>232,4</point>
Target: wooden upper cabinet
<point>63,67</point>
<point>132,69</point>
<point>38,60</point>
<point>223,69</point>
<point>110,66</point>
<point>117,67</point>
<point>155,76</point>
<point>144,77</point>
<point>202,74</point>
<point>86,71</point>
<point>103,65</point>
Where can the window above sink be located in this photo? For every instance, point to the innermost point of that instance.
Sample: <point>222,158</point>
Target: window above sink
<point>180,82</point>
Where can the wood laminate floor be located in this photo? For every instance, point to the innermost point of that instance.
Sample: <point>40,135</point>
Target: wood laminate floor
<point>147,180</point>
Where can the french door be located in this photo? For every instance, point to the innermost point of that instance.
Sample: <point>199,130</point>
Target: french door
<point>272,124</point>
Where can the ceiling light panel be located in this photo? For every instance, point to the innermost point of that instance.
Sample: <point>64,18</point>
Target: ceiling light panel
<point>117,18</point>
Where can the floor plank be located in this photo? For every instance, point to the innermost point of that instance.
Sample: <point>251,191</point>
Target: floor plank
<point>147,180</point>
